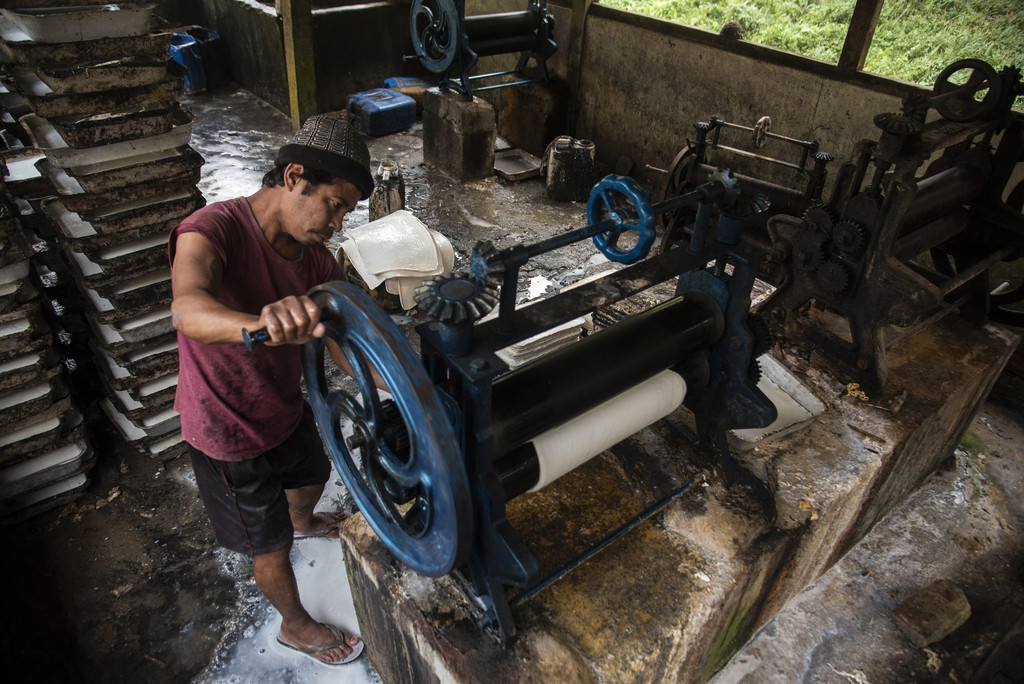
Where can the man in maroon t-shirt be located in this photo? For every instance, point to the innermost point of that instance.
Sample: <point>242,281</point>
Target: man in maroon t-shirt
<point>255,450</point>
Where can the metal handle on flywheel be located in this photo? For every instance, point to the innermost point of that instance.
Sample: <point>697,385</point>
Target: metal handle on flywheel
<point>254,337</point>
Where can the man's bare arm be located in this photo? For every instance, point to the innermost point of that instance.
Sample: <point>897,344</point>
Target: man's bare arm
<point>197,312</point>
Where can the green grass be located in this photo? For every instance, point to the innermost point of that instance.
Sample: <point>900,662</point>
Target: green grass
<point>914,40</point>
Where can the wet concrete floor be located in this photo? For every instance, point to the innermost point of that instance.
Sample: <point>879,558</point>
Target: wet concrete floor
<point>127,583</point>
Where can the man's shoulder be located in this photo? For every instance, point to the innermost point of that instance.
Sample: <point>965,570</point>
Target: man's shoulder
<point>231,209</point>
<point>225,217</point>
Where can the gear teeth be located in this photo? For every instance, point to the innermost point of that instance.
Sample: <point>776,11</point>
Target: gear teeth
<point>754,371</point>
<point>456,299</point>
<point>849,236</point>
<point>898,124</point>
<point>819,217</point>
<point>749,205</point>
<point>483,262</point>
<point>763,338</point>
<point>833,277</point>
<point>916,106</point>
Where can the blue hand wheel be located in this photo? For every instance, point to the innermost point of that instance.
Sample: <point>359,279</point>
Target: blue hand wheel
<point>399,458</point>
<point>618,204</point>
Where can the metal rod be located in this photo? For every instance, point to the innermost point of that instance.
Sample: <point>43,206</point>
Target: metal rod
<point>791,165</point>
<point>496,86</point>
<point>591,552</point>
<point>494,74</point>
<point>812,144</point>
<point>976,269</point>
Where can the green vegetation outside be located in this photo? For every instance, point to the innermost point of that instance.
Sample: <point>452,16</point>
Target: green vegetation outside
<point>914,40</point>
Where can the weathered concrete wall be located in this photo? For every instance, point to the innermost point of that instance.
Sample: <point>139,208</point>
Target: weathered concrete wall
<point>644,82</point>
<point>356,46</point>
<point>359,46</point>
<point>251,34</point>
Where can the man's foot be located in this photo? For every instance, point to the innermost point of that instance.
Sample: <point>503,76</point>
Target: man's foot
<point>335,649</point>
<point>325,525</point>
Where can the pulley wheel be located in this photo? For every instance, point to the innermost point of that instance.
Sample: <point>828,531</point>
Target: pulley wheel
<point>621,206</point>
<point>969,90</point>
<point>415,496</point>
<point>676,185</point>
<point>1008,302</point>
<point>434,29</point>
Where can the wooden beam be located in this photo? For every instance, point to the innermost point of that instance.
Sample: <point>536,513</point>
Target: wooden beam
<point>297,31</point>
<point>860,33</point>
<point>574,54</point>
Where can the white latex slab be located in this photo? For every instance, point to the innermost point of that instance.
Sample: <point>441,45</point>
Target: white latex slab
<point>796,405</point>
<point>398,244</point>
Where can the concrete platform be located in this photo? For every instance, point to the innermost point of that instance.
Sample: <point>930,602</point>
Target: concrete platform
<point>677,596</point>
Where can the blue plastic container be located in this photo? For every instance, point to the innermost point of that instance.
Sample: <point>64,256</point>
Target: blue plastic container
<point>403,82</point>
<point>185,51</point>
<point>381,111</point>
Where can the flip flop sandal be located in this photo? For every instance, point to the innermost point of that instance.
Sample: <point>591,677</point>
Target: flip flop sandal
<point>339,640</point>
<point>334,518</point>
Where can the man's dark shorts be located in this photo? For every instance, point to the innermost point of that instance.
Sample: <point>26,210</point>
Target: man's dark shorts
<point>245,500</point>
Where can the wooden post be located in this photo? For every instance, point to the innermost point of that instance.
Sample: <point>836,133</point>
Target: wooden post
<point>296,16</point>
<point>860,33</point>
<point>580,8</point>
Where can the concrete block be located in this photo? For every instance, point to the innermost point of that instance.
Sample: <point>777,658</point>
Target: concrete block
<point>532,115</point>
<point>458,134</point>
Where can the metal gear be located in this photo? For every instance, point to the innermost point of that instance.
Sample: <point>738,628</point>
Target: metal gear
<point>456,299</point>
<point>808,251</point>
<point>819,218</point>
<point>763,338</point>
<point>763,341</point>
<point>833,277</point>
<point>849,236</point>
<point>898,124</point>
<point>482,262</point>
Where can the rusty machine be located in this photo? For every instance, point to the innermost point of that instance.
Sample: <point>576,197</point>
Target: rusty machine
<point>448,43</point>
<point>433,466</point>
<point>920,223</point>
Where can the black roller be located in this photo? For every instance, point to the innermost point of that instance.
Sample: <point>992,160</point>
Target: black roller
<point>939,194</point>
<point>566,383</point>
<point>501,24</point>
<point>503,44</point>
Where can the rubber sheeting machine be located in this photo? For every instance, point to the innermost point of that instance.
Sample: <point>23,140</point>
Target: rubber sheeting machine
<point>432,462</point>
<point>449,43</point>
<point>922,223</point>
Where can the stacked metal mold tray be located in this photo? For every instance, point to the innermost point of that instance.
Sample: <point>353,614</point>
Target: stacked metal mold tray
<point>45,453</point>
<point>104,112</point>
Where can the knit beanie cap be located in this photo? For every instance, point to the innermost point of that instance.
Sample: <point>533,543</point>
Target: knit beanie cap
<point>329,144</point>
